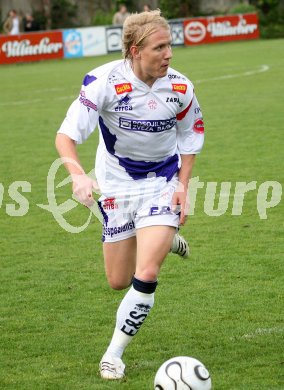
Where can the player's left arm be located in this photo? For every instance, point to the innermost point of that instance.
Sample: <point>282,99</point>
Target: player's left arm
<point>190,139</point>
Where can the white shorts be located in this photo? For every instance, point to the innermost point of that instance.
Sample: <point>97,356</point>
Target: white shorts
<point>147,203</point>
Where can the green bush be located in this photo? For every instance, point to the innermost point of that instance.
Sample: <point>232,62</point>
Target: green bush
<point>174,9</point>
<point>170,9</point>
<point>271,18</point>
<point>102,18</point>
<point>272,31</point>
<point>63,14</point>
<point>40,18</point>
<point>272,24</point>
<point>242,9</point>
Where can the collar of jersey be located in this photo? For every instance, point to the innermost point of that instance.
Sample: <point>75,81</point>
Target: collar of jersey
<point>139,84</point>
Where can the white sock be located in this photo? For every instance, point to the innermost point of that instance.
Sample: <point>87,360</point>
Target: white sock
<point>131,314</point>
<point>118,343</point>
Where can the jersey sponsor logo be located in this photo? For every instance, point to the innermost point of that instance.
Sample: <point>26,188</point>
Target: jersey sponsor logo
<point>124,100</point>
<point>152,104</point>
<point>109,204</point>
<point>86,102</point>
<point>175,76</point>
<point>182,88</point>
<point>174,100</point>
<point>197,110</point>
<point>198,126</point>
<point>155,210</point>
<point>123,104</point>
<point>122,88</point>
<point>112,231</point>
<point>151,126</point>
<point>113,79</point>
<point>123,108</point>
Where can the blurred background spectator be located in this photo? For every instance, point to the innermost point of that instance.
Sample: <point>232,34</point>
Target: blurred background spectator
<point>146,8</point>
<point>11,25</point>
<point>29,23</point>
<point>120,16</point>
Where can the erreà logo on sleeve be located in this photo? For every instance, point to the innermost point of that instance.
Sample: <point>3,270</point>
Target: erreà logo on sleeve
<point>122,88</point>
<point>180,88</point>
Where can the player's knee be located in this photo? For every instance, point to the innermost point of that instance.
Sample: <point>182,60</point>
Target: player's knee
<point>118,284</point>
<point>148,273</point>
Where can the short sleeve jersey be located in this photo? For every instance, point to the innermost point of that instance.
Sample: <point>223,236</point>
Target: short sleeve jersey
<point>142,129</point>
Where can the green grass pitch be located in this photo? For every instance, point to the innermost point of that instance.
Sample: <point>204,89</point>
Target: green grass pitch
<point>224,306</point>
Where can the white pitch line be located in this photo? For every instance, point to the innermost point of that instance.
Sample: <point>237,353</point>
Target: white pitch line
<point>32,101</point>
<point>67,97</point>
<point>261,69</point>
<point>21,102</point>
<point>258,332</point>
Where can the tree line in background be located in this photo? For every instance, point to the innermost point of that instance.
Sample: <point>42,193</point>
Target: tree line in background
<point>64,13</point>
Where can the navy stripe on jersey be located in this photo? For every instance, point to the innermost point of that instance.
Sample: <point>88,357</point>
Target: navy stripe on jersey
<point>104,214</point>
<point>88,79</point>
<point>110,139</point>
<point>105,217</point>
<point>139,169</point>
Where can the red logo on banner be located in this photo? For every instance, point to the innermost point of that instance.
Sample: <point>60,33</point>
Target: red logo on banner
<point>31,47</point>
<point>196,31</point>
<point>221,28</point>
<point>121,88</point>
<point>180,88</point>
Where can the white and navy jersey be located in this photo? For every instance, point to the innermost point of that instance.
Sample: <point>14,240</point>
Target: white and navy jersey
<point>142,129</point>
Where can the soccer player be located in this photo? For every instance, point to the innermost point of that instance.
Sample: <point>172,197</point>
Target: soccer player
<point>151,128</point>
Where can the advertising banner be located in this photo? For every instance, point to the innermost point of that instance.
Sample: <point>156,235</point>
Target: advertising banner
<point>177,33</point>
<point>220,28</point>
<point>84,42</point>
<point>114,36</point>
<point>113,39</point>
<point>31,47</point>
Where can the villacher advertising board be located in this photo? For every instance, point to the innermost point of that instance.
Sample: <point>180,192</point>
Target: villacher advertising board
<point>220,28</point>
<point>31,47</point>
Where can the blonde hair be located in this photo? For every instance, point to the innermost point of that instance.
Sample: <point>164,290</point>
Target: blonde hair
<point>137,27</point>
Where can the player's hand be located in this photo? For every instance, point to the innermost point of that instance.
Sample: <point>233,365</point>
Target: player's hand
<point>180,205</point>
<point>83,187</point>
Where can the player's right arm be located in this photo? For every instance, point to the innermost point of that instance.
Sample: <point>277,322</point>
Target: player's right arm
<point>82,185</point>
<point>66,148</point>
<point>79,123</point>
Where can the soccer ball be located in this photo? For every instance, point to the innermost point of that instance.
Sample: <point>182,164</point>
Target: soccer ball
<point>182,373</point>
